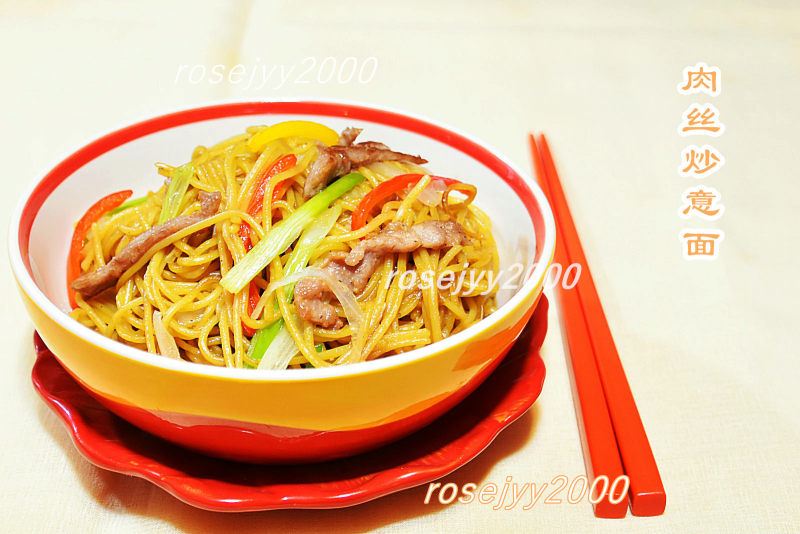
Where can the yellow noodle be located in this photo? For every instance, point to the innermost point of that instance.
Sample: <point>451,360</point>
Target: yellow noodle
<point>404,213</point>
<point>179,277</point>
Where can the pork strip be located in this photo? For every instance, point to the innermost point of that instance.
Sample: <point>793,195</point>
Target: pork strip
<point>348,136</point>
<point>399,237</point>
<point>90,284</point>
<point>338,160</point>
<point>312,296</point>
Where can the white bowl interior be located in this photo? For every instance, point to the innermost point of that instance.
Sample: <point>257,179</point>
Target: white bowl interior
<point>131,166</point>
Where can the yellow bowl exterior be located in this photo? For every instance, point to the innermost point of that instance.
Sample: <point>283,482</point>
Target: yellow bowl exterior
<point>347,402</point>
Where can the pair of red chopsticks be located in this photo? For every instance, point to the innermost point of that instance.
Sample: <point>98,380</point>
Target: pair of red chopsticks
<point>612,435</point>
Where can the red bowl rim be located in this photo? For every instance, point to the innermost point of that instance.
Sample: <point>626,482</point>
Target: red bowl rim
<point>43,185</point>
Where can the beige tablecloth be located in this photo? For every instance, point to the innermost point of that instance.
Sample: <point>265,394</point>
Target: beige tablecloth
<point>709,347</point>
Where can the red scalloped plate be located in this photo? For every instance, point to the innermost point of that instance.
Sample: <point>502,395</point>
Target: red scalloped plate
<point>433,452</point>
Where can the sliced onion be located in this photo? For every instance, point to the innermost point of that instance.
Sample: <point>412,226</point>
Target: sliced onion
<point>166,343</point>
<point>343,293</point>
<point>432,195</point>
<point>468,190</point>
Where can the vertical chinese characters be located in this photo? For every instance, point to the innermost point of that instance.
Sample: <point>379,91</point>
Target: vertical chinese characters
<point>701,201</point>
<point>701,79</point>
<point>701,244</point>
<point>700,161</point>
<point>701,119</point>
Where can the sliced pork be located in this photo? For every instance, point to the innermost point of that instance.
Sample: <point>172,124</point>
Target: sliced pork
<point>338,160</point>
<point>399,237</point>
<point>348,135</point>
<point>90,284</point>
<point>313,297</point>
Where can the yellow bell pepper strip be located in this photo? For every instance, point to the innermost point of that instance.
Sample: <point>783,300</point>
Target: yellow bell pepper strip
<point>308,129</point>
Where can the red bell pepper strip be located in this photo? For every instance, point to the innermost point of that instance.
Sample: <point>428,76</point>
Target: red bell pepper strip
<point>253,297</point>
<point>280,190</point>
<point>254,209</point>
<point>256,204</point>
<point>383,191</point>
<point>92,215</point>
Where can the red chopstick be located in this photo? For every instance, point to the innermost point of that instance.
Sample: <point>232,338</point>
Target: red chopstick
<point>599,444</point>
<point>588,333</point>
